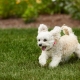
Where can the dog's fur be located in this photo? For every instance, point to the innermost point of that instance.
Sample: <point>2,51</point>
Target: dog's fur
<point>58,47</point>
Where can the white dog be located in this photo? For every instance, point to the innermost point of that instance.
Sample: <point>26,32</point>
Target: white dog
<point>58,47</point>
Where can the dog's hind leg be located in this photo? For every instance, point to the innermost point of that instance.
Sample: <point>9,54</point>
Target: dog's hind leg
<point>77,51</point>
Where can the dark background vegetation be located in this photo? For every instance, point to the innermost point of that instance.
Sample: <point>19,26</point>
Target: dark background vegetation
<point>29,10</point>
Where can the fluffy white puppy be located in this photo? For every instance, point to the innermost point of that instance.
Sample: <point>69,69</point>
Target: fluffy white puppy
<point>58,47</point>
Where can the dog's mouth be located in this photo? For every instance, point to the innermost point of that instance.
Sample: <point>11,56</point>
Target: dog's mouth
<point>43,48</point>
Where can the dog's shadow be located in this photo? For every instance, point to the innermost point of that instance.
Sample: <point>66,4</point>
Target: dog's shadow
<point>73,59</point>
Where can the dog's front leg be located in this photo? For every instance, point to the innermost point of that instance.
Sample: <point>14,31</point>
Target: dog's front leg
<point>55,61</point>
<point>43,58</point>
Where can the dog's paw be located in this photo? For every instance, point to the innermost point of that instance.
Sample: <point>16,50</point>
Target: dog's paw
<point>42,62</point>
<point>53,65</point>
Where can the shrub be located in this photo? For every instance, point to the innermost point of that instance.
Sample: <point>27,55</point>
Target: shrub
<point>30,14</point>
<point>30,9</point>
<point>74,9</point>
<point>11,8</point>
<point>44,7</point>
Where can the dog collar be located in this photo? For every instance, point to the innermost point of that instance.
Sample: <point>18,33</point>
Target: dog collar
<point>49,49</point>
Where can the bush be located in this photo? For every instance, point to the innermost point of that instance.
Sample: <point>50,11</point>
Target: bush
<point>30,9</point>
<point>30,14</point>
<point>11,8</point>
<point>67,7</point>
<point>74,9</point>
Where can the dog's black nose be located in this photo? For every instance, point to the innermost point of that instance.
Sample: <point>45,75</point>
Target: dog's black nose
<point>40,44</point>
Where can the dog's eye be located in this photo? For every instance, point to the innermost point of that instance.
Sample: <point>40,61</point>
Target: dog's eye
<point>45,39</point>
<point>38,39</point>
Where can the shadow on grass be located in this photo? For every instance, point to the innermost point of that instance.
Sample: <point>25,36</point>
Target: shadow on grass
<point>72,60</point>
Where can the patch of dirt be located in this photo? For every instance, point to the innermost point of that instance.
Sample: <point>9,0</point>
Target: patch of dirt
<point>49,20</point>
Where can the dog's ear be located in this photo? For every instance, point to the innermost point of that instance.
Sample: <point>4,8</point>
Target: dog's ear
<point>42,28</point>
<point>56,32</point>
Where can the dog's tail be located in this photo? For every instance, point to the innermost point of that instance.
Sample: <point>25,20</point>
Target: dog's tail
<point>67,30</point>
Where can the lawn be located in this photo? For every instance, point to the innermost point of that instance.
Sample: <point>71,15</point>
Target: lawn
<point>19,58</point>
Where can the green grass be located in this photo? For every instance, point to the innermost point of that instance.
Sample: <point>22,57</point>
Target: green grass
<point>19,58</point>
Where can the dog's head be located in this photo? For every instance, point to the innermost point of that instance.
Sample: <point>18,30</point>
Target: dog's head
<point>47,39</point>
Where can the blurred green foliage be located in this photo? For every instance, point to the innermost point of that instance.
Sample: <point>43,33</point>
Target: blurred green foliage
<point>30,9</point>
<point>10,8</point>
<point>74,9</point>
